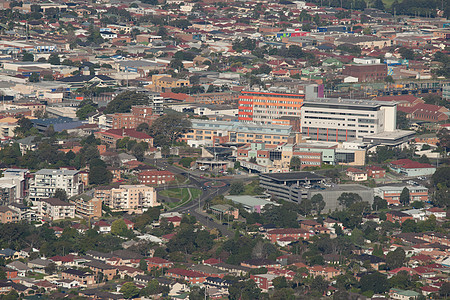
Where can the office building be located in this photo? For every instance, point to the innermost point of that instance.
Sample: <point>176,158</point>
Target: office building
<point>46,181</point>
<point>130,198</point>
<point>340,120</point>
<point>392,193</point>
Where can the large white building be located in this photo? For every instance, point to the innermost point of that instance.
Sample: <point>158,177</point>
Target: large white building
<point>46,181</point>
<point>341,120</point>
<point>55,209</point>
<point>128,197</point>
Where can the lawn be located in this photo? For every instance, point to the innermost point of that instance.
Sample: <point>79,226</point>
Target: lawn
<point>182,194</point>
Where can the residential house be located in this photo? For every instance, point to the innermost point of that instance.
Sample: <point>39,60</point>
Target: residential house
<point>264,281</point>
<point>295,233</point>
<point>111,136</point>
<point>397,216</point>
<point>84,278</point>
<point>260,263</point>
<point>356,174</point>
<point>97,267</point>
<point>190,276</point>
<point>375,172</point>
<point>157,262</point>
<point>326,272</point>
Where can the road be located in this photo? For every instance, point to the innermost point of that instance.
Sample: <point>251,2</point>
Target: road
<point>195,207</point>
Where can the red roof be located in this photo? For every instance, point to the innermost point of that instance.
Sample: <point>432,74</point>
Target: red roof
<point>409,164</point>
<point>407,98</point>
<point>174,219</point>
<point>128,132</point>
<point>185,273</point>
<point>157,260</point>
<point>211,261</point>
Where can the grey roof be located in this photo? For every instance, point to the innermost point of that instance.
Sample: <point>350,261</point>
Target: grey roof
<point>349,102</point>
<point>56,202</point>
<point>206,269</point>
<point>293,176</point>
<point>29,140</point>
<point>18,265</point>
<point>56,172</point>
<point>40,262</point>
<point>248,200</point>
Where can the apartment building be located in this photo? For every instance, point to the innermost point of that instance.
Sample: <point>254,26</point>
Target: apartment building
<point>392,193</point>
<point>341,120</point>
<point>155,177</point>
<point>127,197</point>
<point>87,206</point>
<point>138,115</point>
<point>111,136</point>
<point>46,181</point>
<point>207,133</point>
<point>8,215</point>
<point>55,209</point>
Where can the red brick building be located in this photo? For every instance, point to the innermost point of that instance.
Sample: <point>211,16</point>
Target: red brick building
<point>110,137</point>
<point>296,233</point>
<point>376,172</point>
<point>190,276</point>
<point>155,177</point>
<point>397,216</point>
<point>157,262</point>
<point>366,73</point>
<point>138,115</point>
<point>264,281</point>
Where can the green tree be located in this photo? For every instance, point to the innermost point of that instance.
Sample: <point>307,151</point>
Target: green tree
<point>237,188</point>
<point>296,163</point>
<point>99,174</point>
<point>409,226</point>
<point>54,59</point>
<point>404,196</point>
<point>27,56</point>
<point>402,120</point>
<point>347,199</point>
<point>318,204</point>
<point>375,282</point>
<point>123,102</point>
<point>319,284</point>
<point>389,78</point>
<point>34,77</point>
<point>119,227</point>
<point>60,194</point>
<point>168,128</point>
<point>406,53</point>
<point>395,259</point>
<point>244,290</point>
<point>444,291</point>
<point>379,203</point>
<point>279,283</point>
<point>129,290</point>
<point>197,293</point>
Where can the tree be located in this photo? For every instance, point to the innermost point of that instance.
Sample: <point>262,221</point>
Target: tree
<point>406,53</point>
<point>402,120</point>
<point>34,77</point>
<point>318,204</point>
<point>279,283</point>
<point>237,188</point>
<point>395,259</point>
<point>305,206</point>
<point>54,59</point>
<point>244,290</point>
<point>296,163</point>
<point>379,4</point>
<point>404,196</point>
<point>50,269</point>
<point>389,79</point>
<point>319,284</point>
<point>444,291</point>
<point>119,227</point>
<point>60,194</point>
<point>129,290</point>
<point>143,127</point>
<point>27,56</point>
<point>197,293</point>
<point>99,174</point>
<point>168,128</point>
<point>123,102</point>
<point>409,226</point>
<point>379,203</point>
<point>375,282</point>
<point>347,199</point>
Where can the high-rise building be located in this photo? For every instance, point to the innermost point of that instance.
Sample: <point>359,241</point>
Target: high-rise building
<point>127,197</point>
<point>266,106</point>
<point>46,181</point>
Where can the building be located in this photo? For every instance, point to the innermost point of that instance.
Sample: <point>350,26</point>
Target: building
<point>111,136</point>
<point>46,181</point>
<point>264,281</point>
<point>327,273</point>
<point>289,186</point>
<point>295,233</point>
<point>58,124</point>
<point>138,115</point>
<point>85,279</point>
<point>341,120</point>
<point>263,106</point>
<point>392,193</point>
<point>207,133</point>
<point>356,174</point>
<point>332,194</point>
<point>250,203</point>
<point>87,206</point>
<point>190,276</point>
<point>411,168</point>
<point>157,262</point>
<point>165,83</point>
<point>8,215</point>
<point>375,172</point>
<point>366,72</point>
<point>55,209</point>
<point>155,177</point>
<point>127,197</point>
<point>223,211</point>
<point>398,216</point>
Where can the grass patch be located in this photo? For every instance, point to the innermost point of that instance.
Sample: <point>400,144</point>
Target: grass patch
<point>182,194</point>
<point>36,275</point>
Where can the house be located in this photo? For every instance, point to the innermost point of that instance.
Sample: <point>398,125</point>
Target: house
<point>97,267</point>
<point>411,168</point>
<point>399,294</point>
<point>356,174</point>
<point>111,136</point>
<point>209,271</point>
<point>375,172</point>
<point>309,224</point>
<point>439,213</point>
<point>326,272</point>
<point>21,268</point>
<point>8,215</point>
<point>190,276</point>
<point>295,233</point>
<point>103,226</point>
<point>157,262</point>
<point>264,281</point>
<point>260,263</point>
<point>123,271</point>
<point>38,265</point>
<point>397,216</point>
<point>84,278</point>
